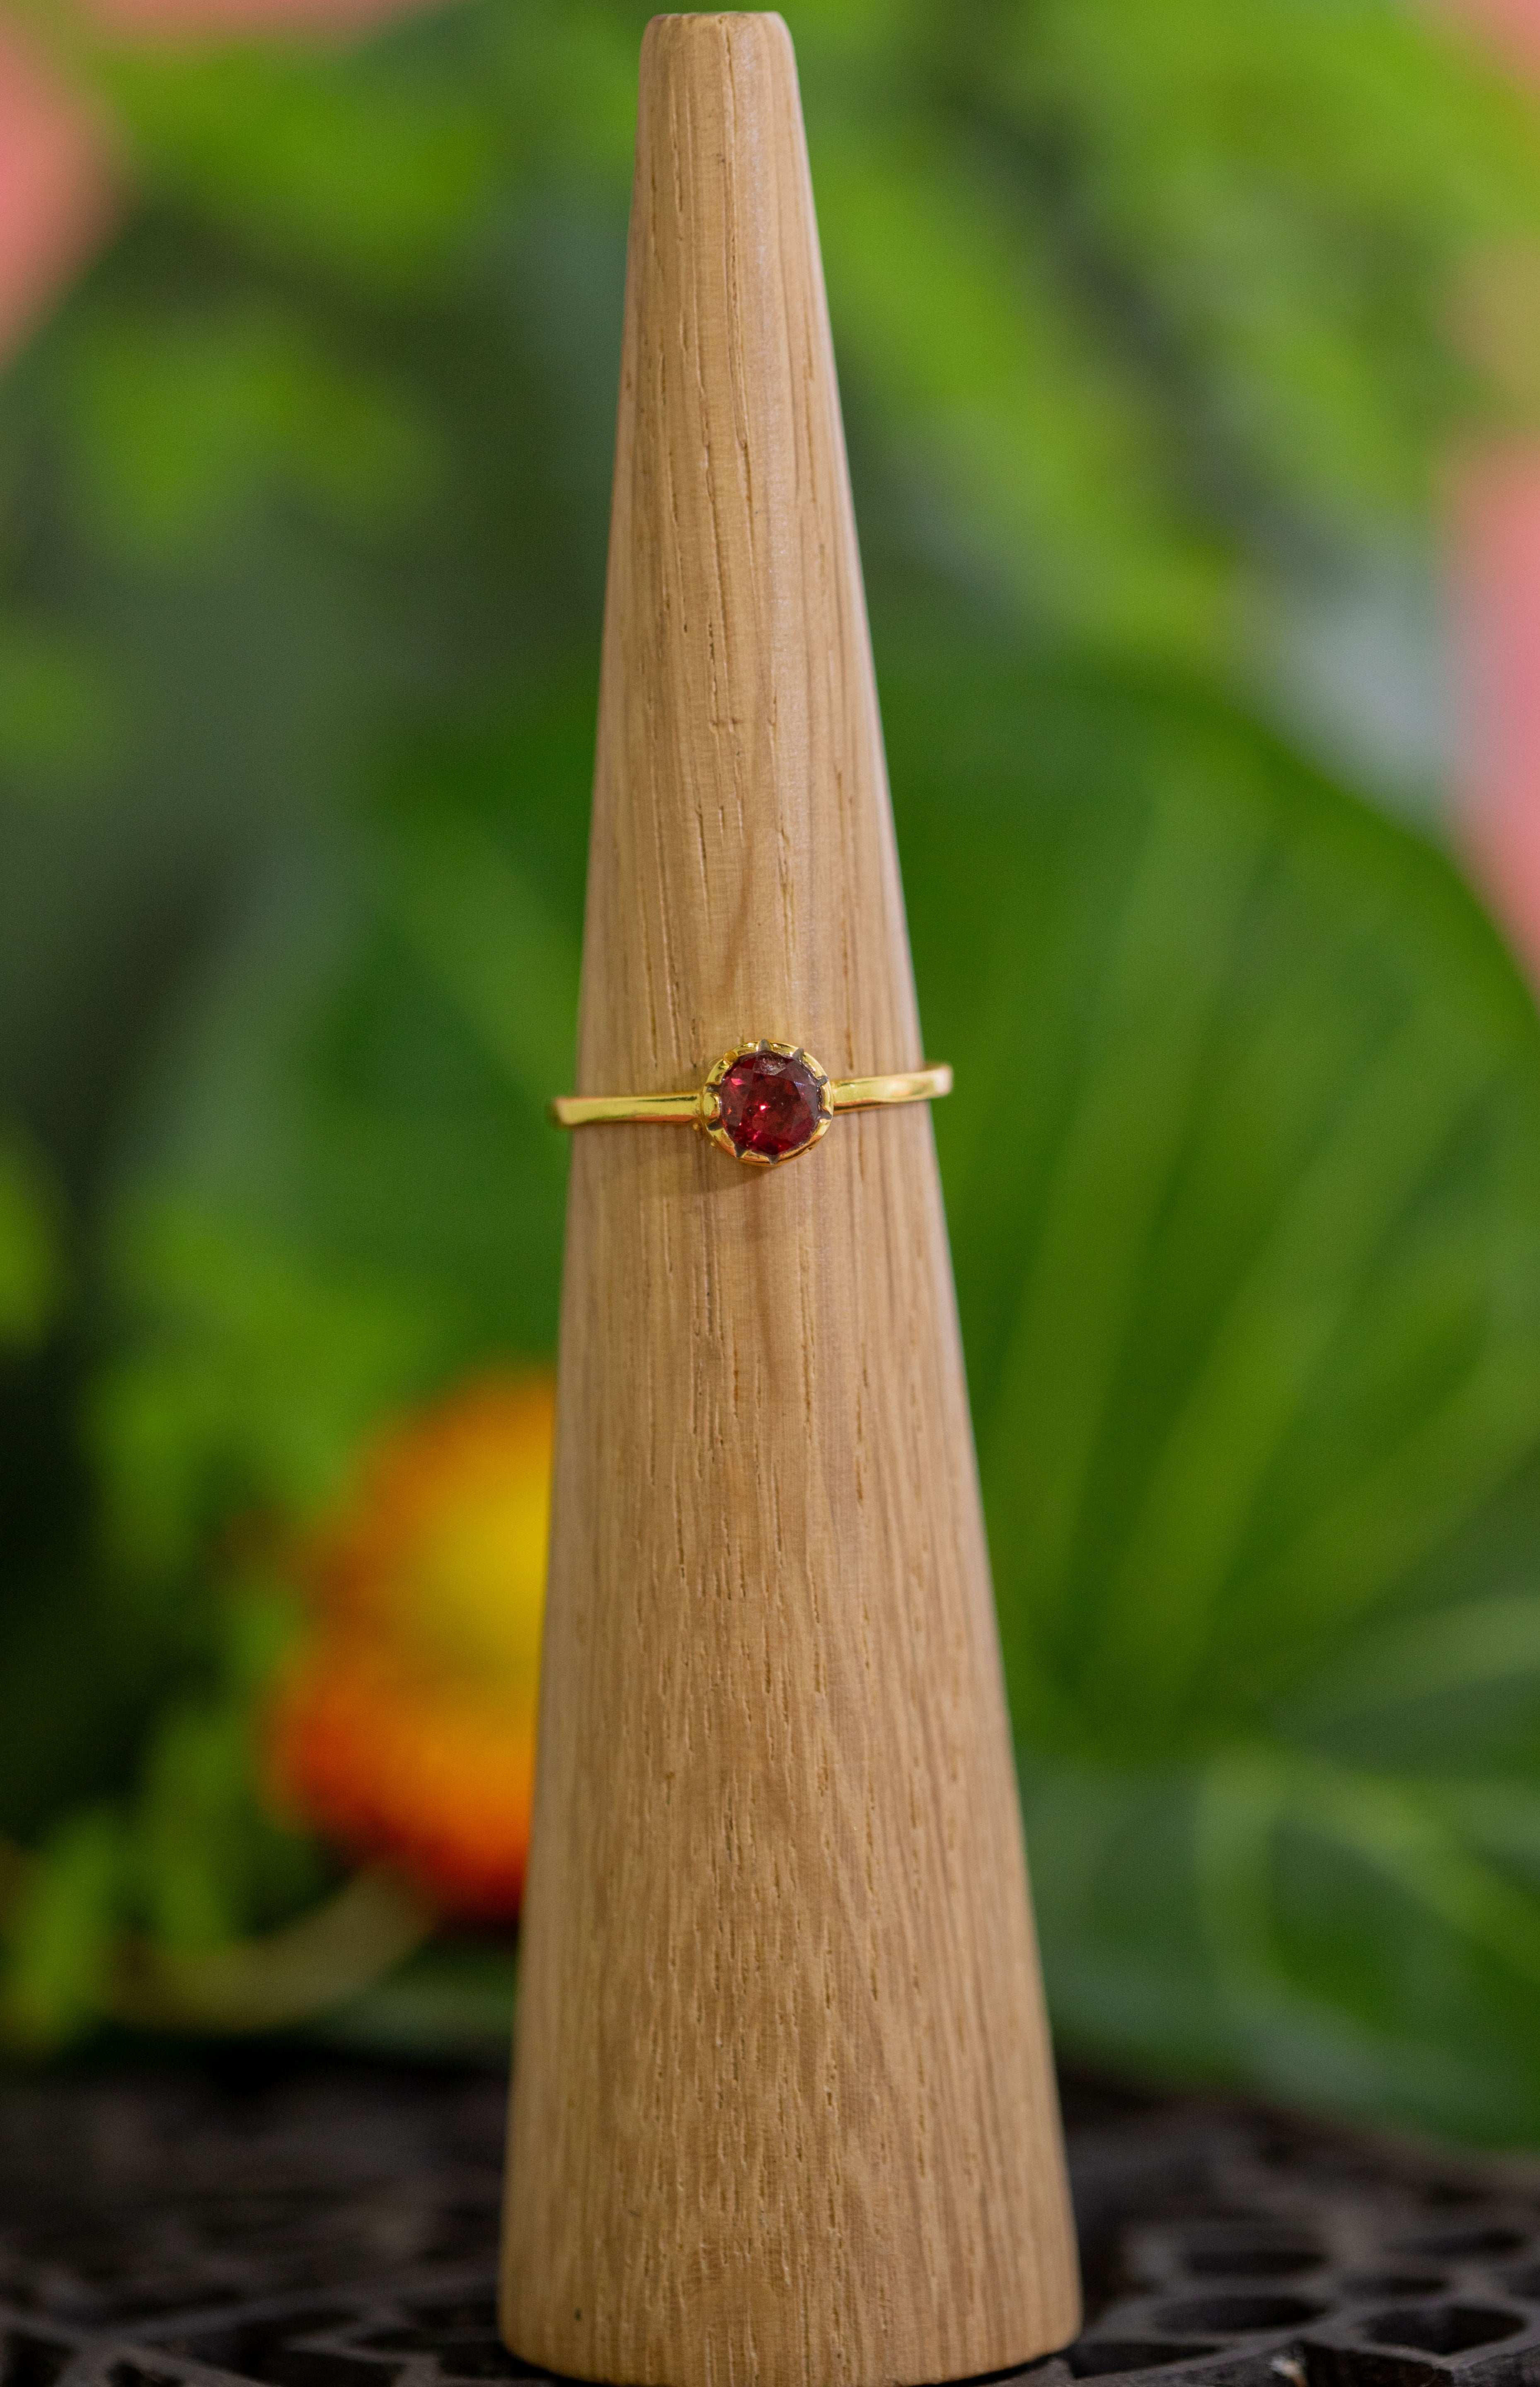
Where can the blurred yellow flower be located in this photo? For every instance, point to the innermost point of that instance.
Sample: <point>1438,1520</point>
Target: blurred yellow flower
<point>404,1730</point>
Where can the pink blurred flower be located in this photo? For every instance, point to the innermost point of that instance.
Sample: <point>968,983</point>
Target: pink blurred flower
<point>56,188</point>
<point>1512,27</point>
<point>1495,591</point>
<point>1494,572</point>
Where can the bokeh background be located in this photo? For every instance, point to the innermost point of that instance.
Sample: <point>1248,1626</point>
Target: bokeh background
<point>1191,357</point>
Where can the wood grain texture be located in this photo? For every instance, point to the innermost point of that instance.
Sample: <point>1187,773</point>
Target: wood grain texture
<point>783,2108</point>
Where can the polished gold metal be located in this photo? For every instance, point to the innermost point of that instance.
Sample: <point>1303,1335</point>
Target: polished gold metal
<point>900,1086</point>
<point>608,1110</point>
<point>703,1109</point>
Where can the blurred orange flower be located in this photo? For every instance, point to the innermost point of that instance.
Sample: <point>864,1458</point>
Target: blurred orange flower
<point>404,1730</point>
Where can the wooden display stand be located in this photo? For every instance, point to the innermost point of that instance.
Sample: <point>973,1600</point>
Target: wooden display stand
<point>783,2107</point>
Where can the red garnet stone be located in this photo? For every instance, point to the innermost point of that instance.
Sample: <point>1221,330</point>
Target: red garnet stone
<point>771,1106</point>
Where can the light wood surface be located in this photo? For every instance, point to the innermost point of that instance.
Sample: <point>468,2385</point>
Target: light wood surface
<point>783,2109</point>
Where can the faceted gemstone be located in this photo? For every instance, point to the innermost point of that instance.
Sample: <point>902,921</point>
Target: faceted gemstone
<point>770,1106</point>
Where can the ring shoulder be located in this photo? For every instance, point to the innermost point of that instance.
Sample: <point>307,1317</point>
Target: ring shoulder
<point>612,1110</point>
<point>898,1086</point>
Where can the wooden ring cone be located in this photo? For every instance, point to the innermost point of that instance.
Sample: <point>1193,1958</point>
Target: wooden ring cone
<point>783,2105</point>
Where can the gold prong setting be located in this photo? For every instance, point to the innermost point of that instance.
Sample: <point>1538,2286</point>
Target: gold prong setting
<point>766,1103</point>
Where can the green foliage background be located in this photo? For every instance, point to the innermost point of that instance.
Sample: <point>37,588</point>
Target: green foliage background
<point>1143,310</point>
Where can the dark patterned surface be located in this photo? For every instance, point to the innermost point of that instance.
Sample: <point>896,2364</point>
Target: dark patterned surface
<point>337,2227</point>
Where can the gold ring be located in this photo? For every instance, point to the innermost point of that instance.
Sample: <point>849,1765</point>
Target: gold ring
<point>762,1102</point>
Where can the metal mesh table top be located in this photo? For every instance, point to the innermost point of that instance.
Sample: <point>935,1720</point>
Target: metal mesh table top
<point>335,2225</point>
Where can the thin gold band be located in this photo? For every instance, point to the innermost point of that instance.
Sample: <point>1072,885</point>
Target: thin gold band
<point>684,1110</point>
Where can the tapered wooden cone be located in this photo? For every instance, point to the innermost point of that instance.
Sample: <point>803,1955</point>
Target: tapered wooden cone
<point>783,2109</point>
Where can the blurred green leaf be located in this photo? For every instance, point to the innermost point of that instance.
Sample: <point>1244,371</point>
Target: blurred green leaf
<point>1343,1936</point>
<point>372,163</point>
<point>454,1999</point>
<point>1133,301</point>
<point>30,1261</point>
<point>256,1379</point>
<point>184,423</point>
<point>988,383</point>
<point>356,1192</point>
<point>57,716</point>
<point>491,944</point>
<point>565,85</point>
<point>136,1910</point>
<point>211,1862</point>
<point>1241,1172</point>
<point>1273,201</point>
<point>61,1935</point>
